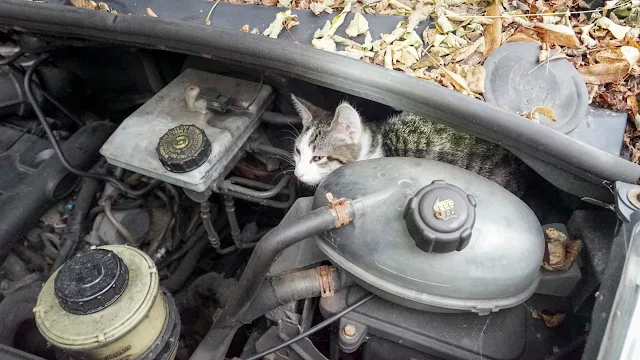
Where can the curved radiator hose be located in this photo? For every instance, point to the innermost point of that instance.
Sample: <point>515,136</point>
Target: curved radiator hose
<point>22,208</point>
<point>239,310</point>
<point>17,308</point>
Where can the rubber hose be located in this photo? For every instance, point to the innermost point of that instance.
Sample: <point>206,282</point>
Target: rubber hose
<point>208,286</point>
<point>186,267</point>
<point>79,213</point>
<point>291,287</point>
<point>23,206</point>
<point>216,342</point>
<point>17,308</point>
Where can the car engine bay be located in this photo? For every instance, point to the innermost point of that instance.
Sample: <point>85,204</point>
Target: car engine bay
<point>173,227</point>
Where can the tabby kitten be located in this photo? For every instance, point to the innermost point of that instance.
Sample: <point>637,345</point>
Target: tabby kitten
<point>330,140</point>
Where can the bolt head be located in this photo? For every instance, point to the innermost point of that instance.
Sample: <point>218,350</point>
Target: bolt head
<point>349,331</point>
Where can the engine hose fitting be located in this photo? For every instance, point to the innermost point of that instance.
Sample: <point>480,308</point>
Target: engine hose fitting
<point>205,214</point>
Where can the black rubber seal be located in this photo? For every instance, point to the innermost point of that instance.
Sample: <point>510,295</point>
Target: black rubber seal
<point>330,70</point>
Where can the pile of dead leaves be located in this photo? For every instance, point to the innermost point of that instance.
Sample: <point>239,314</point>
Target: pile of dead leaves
<point>601,43</point>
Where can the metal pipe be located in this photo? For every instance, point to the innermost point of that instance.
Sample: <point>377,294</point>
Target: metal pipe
<point>230,208</point>
<point>265,202</point>
<point>216,342</point>
<point>280,119</point>
<point>205,214</point>
<point>255,184</point>
<point>252,146</point>
<point>155,244</point>
<point>229,186</point>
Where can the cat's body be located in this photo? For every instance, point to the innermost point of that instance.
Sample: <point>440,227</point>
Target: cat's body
<point>330,140</point>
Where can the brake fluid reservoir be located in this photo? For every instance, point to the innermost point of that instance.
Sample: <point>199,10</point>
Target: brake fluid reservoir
<point>106,304</point>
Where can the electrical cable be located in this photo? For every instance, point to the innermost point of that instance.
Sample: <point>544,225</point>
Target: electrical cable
<point>313,330</point>
<point>56,147</point>
<point>8,61</point>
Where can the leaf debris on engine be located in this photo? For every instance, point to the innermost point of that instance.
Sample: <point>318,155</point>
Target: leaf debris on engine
<point>150,12</point>
<point>283,20</point>
<point>560,252</point>
<point>603,44</point>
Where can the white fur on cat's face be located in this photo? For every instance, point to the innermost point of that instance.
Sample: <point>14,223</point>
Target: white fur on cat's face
<point>330,140</point>
<point>310,168</point>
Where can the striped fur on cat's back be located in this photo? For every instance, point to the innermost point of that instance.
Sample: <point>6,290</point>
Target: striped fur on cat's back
<point>331,139</point>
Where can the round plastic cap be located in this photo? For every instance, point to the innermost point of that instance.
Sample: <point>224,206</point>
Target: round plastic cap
<point>440,217</point>
<point>91,281</point>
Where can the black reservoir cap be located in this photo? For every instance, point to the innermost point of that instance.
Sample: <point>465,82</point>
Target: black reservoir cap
<point>440,217</point>
<point>91,281</point>
<point>183,148</point>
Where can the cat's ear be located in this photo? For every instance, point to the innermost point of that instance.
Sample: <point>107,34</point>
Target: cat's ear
<point>347,124</point>
<point>306,110</point>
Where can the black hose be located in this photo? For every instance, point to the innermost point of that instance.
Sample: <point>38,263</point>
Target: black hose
<point>186,267</point>
<point>280,119</point>
<point>313,330</point>
<point>291,287</point>
<point>17,308</point>
<point>23,206</point>
<point>216,342</point>
<point>56,147</point>
<point>73,231</point>
<point>206,287</point>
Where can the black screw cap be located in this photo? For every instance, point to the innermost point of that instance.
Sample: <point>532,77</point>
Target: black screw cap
<point>183,148</point>
<point>440,217</point>
<point>91,281</point>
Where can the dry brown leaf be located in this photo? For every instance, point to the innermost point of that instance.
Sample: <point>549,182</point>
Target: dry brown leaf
<point>493,32</point>
<point>546,111</point>
<point>518,37</point>
<point>85,4</point>
<point>427,61</point>
<point>458,81</point>
<point>466,51</point>
<point>245,28</point>
<point>608,56</point>
<point>151,13</point>
<point>553,320</point>
<point>269,2</point>
<point>475,78</point>
<point>558,35</point>
<point>632,103</point>
<point>611,72</point>
<point>255,31</point>
<point>560,252</point>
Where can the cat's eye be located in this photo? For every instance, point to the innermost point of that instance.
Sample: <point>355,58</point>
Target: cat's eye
<point>297,151</point>
<point>317,158</point>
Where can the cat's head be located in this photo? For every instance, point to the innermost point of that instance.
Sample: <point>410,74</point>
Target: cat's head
<point>327,141</point>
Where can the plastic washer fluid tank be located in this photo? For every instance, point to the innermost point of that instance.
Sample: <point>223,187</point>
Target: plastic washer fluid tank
<point>515,81</point>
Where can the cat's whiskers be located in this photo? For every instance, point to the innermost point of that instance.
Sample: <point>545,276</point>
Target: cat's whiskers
<point>297,132</point>
<point>287,160</point>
